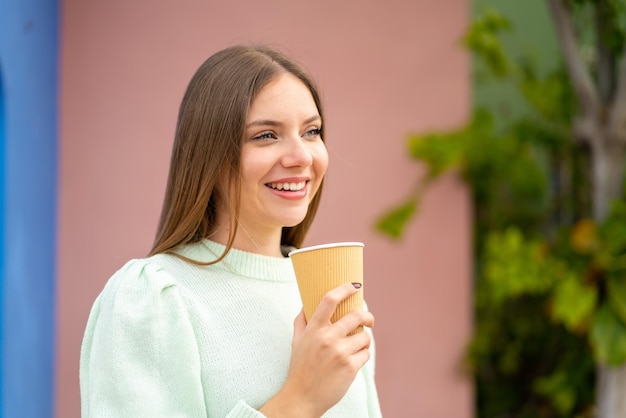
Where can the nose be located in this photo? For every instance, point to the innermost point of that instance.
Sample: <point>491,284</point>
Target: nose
<point>297,153</point>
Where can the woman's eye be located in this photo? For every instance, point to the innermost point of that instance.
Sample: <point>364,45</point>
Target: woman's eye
<point>314,132</point>
<point>264,136</point>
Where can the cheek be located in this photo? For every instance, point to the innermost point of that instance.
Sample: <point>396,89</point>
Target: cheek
<point>320,160</point>
<point>253,167</point>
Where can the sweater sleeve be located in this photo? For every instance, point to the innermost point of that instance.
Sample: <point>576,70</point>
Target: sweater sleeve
<point>369,371</point>
<point>373,404</point>
<point>139,356</point>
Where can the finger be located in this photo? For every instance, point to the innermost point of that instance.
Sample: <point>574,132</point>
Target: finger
<point>357,342</point>
<point>361,357</point>
<point>330,300</point>
<point>354,319</point>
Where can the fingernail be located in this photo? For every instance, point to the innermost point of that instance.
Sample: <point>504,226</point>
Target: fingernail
<point>357,285</point>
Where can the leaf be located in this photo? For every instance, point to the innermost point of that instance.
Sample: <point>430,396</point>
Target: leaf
<point>616,290</point>
<point>584,238</point>
<point>441,152</point>
<point>551,95</point>
<point>394,222</point>
<point>573,302</point>
<point>613,230</point>
<point>515,266</point>
<point>482,39</point>
<point>608,337</point>
<point>556,388</point>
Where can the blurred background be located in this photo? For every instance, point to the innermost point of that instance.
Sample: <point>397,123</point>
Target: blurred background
<point>89,93</point>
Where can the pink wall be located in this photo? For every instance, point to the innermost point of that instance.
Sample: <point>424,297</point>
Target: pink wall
<point>384,71</point>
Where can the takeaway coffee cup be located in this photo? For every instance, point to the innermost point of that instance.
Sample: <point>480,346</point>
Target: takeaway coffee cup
<point>323,267</point>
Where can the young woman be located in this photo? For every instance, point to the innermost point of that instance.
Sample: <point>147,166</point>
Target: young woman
<point>210,323</point>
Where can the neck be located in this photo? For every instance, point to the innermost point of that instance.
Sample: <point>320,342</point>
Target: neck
<point>253,241</point>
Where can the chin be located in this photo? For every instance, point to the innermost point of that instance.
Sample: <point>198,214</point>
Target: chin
<point>293,223</point>
<point>290,221</point>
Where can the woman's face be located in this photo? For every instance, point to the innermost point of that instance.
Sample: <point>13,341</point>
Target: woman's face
<point>283,157</point>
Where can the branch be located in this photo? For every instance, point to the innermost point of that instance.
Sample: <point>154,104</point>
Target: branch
<point>581,79</point>
<point>605,57</point>
<point>617,115</point>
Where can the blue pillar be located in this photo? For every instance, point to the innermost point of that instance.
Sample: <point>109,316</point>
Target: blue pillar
<point>2,216</point>
<point>28,61</point>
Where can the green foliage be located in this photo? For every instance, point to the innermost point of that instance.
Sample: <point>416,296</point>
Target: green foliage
<point>550,283</point>
<point>482,37</point>
<point>610,14</point>
<point>557,388</point>
<point>516,267</point>
<point>617,297</point>
<point>394,222</point>
<point>608,336</point>
<point>574,303</point>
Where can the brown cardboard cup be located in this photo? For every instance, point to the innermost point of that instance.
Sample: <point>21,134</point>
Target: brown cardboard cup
<point>323,267</point>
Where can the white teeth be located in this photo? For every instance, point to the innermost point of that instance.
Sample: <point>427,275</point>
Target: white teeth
<point>288,186</point>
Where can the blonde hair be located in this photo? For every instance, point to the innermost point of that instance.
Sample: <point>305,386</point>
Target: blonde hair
<point>207,145</point>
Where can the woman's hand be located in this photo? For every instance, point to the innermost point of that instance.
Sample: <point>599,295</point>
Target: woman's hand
<point>324,359</point>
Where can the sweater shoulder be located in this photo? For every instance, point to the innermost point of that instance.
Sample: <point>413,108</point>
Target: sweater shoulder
<point>139,284</point>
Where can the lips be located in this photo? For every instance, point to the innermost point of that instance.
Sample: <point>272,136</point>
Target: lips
<point>287,186</point>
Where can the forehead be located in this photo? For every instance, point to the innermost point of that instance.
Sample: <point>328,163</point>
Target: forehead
<point>284,94</point>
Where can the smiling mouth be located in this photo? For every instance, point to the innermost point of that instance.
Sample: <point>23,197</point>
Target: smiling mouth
<point>291,187</point>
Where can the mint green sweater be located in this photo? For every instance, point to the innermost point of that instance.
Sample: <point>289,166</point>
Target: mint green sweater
<point>167,338</point>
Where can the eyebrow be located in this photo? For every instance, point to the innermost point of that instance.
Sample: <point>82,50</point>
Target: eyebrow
<point>268,122</point>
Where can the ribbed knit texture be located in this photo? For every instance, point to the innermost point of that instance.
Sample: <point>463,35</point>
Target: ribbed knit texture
<point>167,338</point>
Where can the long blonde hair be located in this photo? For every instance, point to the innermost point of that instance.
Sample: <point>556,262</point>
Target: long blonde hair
<point>207,145</point>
